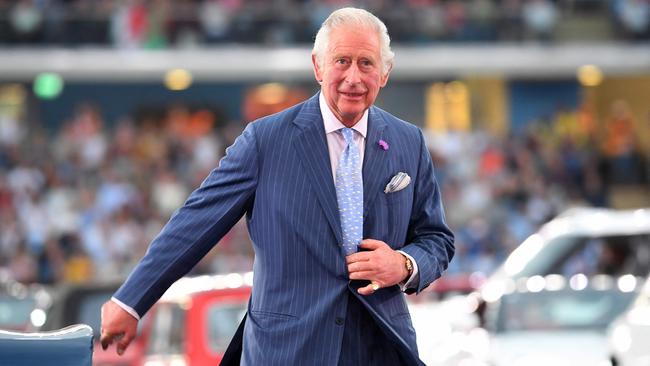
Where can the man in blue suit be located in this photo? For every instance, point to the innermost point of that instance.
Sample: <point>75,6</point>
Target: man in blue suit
<point>343,210</point>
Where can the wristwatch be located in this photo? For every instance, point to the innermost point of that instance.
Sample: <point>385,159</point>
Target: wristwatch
<point>409,266</point>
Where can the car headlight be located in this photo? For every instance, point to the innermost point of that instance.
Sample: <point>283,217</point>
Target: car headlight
<point>38,317</point>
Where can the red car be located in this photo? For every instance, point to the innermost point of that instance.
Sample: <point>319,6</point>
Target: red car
<point>133,356</point>
<point>194,321</point>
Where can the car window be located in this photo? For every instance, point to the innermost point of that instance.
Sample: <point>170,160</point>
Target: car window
<point>559,310</point>
<point>168,330</point>
<point>613,255</point>
<point>223,320</point>
<point>15,312</point>
<point>89,310</point>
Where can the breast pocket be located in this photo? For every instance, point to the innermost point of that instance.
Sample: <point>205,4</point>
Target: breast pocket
<point>399,198</point>
<point>399,205</point>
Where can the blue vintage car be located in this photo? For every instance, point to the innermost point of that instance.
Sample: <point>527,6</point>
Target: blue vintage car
<point>70,346</point>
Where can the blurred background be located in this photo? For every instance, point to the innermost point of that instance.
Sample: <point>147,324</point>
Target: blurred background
<point>112,112</point>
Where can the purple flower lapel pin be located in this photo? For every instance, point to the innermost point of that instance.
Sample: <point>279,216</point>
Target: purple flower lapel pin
<point>383,144</point>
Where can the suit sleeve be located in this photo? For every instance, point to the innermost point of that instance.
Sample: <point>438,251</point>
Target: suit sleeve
<point>207,215</point>
<point>430,241</point>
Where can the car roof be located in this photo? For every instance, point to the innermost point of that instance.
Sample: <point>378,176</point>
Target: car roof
<point>597,222</point>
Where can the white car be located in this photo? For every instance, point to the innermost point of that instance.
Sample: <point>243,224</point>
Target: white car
<point>559,327</point>
<point>586,241</point>
<point>579,244</point>
<point>549,320</point>
<point>629,335</point>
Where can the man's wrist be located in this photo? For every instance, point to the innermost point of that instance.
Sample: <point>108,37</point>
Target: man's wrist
<point>408,267</point>
<point>126,308</point>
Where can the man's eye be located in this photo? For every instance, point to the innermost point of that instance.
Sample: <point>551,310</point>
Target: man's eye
<point>366,63</point>
<point>341,61</point>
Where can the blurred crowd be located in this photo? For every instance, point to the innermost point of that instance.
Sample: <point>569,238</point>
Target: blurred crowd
<point>154,24</point>
<point>83,201</point>
<point>498,191</point>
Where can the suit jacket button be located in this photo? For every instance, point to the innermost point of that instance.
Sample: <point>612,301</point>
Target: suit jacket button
<point>339,320</point>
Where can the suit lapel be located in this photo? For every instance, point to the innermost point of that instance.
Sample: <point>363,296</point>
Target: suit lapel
<point>375,162</point>
<point>311,146</point>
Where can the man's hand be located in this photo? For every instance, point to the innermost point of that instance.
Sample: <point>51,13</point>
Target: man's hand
<point>117,325</point>
<point>381,265</point>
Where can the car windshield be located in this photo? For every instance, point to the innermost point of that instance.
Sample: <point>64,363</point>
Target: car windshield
<point>612,255</point>
<point>168,330</point>
<point>587,309</point>
<point>223,320</point>
<point>15,312</point>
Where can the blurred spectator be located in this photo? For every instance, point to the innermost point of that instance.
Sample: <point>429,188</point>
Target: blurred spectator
<point>510,24</point>
<point>482,15</point>
<point>129,24</point>
<point>620,145</point>
<point>455,18</point>
<point>11,131</point>
<point>168,193</point>
<point>429,20</point>
<point>634,16</point>
<point>215,17</point>
<point>78,267</point>
<point>26,21</point>
<point>540,16</point>
<point>23,267</point>
<point>185,27</point>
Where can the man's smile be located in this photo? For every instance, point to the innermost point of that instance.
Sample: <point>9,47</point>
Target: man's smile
<point>352,95</point>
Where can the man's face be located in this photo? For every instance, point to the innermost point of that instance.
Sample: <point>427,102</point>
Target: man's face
<point>351,72</point>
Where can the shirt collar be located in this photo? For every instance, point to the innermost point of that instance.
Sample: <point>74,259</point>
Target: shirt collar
<point>333,124</point>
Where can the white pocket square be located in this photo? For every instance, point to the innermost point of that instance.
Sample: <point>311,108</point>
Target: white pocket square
<point>397,183</point>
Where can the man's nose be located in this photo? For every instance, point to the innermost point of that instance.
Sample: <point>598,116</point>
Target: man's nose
<point>352,75</point>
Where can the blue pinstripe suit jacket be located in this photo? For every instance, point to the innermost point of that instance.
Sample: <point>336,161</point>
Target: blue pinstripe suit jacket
<point>278,173</point>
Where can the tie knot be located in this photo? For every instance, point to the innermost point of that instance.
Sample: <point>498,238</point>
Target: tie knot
<point>348,135</point>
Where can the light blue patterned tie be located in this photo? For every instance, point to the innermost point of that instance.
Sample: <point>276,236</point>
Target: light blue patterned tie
<point>349,193</point>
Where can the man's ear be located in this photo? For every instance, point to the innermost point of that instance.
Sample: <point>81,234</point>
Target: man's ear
<point>317,71</point>
<point>384,78</point>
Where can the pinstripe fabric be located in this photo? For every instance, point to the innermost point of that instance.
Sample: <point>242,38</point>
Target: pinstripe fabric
<point>364,343</point>
<point>278,173</point>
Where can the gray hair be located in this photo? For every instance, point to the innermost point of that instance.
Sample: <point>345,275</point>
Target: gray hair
<point>358,17</point>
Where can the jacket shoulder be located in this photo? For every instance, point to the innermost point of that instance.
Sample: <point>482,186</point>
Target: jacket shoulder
<point>277,120</point>
<point>398,124</point>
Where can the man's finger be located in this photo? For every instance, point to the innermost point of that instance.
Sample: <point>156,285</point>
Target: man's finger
<point>357,257</point>
<point>362,275</point>
<point>360,266</point>
<point>105,343</point>
<point>372,244</point>
<point>367,290</point>
<point>123,344</point>
<point>106,339</point>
